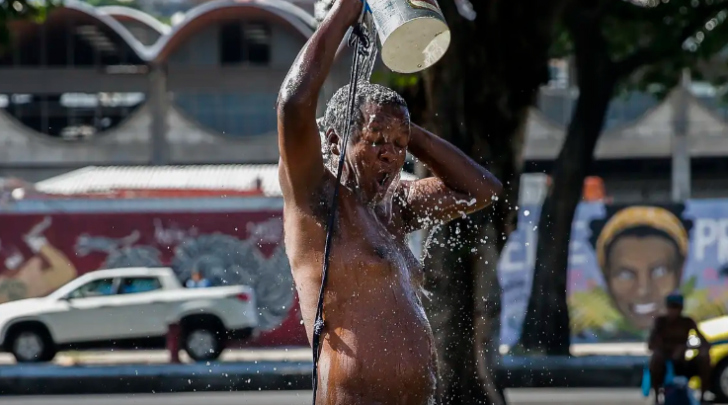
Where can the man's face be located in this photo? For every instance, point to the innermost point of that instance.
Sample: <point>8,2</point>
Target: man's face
<point>642,272</point>
<point>377,152</point>
<point>674,311</point>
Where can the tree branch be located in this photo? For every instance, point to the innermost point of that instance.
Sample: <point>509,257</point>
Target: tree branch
<point>651,54</point>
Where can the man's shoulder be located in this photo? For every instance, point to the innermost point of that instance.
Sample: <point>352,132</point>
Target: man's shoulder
<point>688,320</point>
<point>316,204</point>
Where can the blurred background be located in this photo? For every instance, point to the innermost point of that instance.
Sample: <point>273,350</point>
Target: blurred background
<point>141,217</point>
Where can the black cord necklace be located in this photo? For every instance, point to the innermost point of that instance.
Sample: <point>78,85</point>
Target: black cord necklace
<point>360,40</point>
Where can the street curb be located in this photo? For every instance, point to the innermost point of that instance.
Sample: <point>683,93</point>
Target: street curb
<point>128,379</point>
<point>513,372</point>
<point>572,372</point>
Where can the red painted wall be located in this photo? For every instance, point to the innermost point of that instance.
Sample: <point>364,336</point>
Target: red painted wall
<point>64,245</point>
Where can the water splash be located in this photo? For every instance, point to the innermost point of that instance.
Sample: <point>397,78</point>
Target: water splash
<point>465,8</point>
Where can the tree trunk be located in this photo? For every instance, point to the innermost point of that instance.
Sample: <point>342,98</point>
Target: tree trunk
<point>453,315</point>
<point>478,97</point>
<point>546,327</point>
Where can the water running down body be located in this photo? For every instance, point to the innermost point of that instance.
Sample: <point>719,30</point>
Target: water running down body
<point>377,345</point>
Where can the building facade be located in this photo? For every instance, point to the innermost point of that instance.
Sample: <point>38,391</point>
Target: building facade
<point>113,86</point>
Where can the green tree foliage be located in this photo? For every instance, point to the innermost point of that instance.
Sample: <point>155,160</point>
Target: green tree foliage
<point>14,10</point>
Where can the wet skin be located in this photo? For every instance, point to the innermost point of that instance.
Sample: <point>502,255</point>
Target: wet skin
<point>377,345</point>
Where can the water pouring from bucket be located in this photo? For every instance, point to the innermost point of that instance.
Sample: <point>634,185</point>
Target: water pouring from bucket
<point>413,33</point>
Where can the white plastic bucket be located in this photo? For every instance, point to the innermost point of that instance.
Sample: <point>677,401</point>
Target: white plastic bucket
<point>413,33</point>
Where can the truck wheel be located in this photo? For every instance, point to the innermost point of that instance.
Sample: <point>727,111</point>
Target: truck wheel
<point>32,345</point>
<point>719,387</point>
<point>203,343</point>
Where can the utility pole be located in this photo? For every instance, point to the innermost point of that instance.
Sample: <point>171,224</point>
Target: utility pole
<point>680,146</point>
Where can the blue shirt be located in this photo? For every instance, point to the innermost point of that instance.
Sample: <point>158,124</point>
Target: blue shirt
<point>197,284</point>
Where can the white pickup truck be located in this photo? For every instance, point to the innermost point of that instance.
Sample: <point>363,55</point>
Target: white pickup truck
<point>128,308</point>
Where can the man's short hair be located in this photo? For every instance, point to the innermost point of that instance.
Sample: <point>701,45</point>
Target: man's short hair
<point>365,92</point>
<point>675,299</point>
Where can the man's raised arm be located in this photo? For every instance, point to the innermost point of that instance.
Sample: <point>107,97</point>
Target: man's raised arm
<point>301,165</point>
<point>460,186</point>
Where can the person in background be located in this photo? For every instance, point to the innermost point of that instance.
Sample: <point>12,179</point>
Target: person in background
<point>668,342</point>
<point>197,281</point>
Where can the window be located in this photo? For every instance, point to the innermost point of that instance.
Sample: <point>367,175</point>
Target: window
<point>96,288</point>
<point>138,285</point>
<point>242,42</point>
<point>71,116</point>
<point>257,41</point>
<point>232,114</point>
<point>231,43</point>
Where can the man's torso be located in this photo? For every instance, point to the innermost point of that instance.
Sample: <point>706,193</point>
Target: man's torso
<point>378,345</point>
<point>674,333</point>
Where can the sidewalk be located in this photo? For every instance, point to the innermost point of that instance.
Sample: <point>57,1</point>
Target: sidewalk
<point>141,357</point>
<point>283,354</point>
<point>285,369</point>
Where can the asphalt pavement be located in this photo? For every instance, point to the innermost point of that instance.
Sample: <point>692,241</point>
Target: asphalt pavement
<point>541,396</point>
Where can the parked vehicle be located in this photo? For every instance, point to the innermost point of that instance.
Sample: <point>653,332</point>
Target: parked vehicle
<point>127,308</point>
<point>716,332</point>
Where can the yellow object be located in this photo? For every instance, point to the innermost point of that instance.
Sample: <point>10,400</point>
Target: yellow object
<point>592,310</point>
<point>716,333</point>
<point>654,217</point>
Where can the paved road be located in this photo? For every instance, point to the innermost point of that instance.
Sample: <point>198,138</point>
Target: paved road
<point>516,397</point>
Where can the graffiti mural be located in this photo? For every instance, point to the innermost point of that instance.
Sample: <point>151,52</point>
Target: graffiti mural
<point>623,262</point>
<point>38,270</point>
<point>221,259</point>
<point>226,248</point>
<point>121,252</point>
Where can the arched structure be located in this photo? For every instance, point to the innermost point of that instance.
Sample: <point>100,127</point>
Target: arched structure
<point>277,12</point>
<point>145,28</point>
<point>258,37</point>
<point>196,98</point>
<point>76,37</point>
<point>102,39</point>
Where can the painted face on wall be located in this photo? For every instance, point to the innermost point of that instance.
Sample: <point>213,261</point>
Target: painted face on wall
<point>641,272</point>
<point>641,251</point>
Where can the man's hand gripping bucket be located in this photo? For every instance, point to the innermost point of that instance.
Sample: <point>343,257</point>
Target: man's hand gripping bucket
<point>413,33</point>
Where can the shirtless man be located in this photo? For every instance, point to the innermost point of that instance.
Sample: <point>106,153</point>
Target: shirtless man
<point>377,345</point>
<point>668,341</point>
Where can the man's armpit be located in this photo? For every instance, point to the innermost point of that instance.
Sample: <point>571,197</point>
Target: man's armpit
<point>321,200</point>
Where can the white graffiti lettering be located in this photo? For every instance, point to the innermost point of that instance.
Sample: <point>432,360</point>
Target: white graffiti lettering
<point>711,234</point>
<point>270,231</point>
<point>171,235</point>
